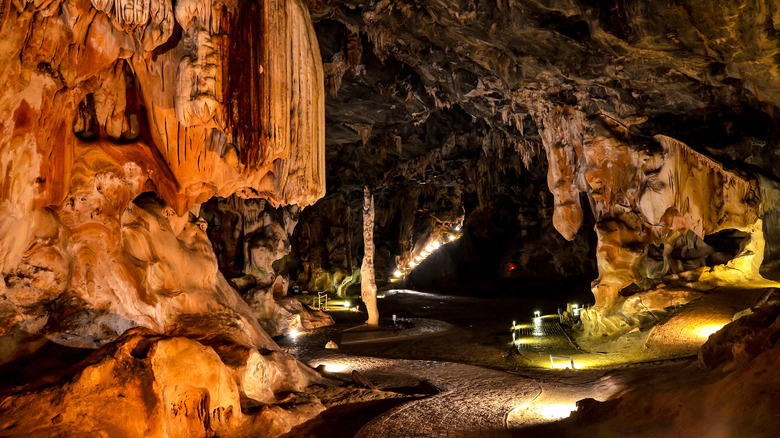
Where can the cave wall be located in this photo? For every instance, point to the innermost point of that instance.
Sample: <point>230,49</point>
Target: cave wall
<point>470,188</point>
<point>119,119</point>
<point>252,242</point>
<point>94,121</point>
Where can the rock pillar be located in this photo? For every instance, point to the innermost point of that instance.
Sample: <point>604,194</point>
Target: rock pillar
<point>367,282</point>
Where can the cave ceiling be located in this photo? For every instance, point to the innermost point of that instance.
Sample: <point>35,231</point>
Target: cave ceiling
<point>421,91</point>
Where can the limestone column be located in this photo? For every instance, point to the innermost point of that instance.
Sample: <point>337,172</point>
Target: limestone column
<point>367,282</point>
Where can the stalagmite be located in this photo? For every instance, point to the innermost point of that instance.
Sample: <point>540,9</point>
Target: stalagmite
<point>367,282</point>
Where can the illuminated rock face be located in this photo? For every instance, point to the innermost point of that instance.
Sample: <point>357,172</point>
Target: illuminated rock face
<point>118,119</point>
<point>654,203</point>
<point>171,91</point>
<point>94,119</point>
<point>145,384</point>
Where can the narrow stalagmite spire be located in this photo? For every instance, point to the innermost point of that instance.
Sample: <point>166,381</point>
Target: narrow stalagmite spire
<point>367,282</point>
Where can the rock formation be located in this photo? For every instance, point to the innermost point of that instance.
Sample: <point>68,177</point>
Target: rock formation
<point>118,121</point>
<point>613,98</point>
<point>326,244</point>
<point>164,386</point>
<point>655,205</point>
<point>252,240</point>
<point>367,282</point>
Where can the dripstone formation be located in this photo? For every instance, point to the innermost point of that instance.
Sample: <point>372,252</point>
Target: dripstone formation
<point>119,119</point>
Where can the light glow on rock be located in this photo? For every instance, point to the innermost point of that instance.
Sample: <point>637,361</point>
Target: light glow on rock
<point>704,331</point>
<point>563,365</point>
<point>432,246</point>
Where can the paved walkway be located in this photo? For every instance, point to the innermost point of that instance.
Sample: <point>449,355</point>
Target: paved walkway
<point>473,401</point>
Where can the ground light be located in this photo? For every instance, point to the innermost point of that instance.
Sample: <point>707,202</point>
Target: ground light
<point>335,367</point>
<point>294,333</point>
<point>557,411</point>
<point>535,337</point>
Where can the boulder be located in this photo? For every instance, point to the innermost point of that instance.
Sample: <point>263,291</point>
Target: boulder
<point>145,384</point>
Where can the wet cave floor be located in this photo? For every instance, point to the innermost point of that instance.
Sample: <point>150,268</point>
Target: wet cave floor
<point>468,379</point>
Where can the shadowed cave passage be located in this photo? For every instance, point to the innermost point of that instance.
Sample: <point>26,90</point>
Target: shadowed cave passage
<point>689,252</point>
<point>389,218</point>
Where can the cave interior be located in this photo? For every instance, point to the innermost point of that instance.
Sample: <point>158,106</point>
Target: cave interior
<point>386,218</point>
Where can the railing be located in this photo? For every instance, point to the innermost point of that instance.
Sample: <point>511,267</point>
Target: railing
<point>322,301</point>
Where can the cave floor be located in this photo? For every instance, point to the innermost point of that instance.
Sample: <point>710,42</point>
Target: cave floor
<point>483,385</point>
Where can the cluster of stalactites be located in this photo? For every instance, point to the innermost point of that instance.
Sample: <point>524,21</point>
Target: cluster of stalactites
<point>86,78</point>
